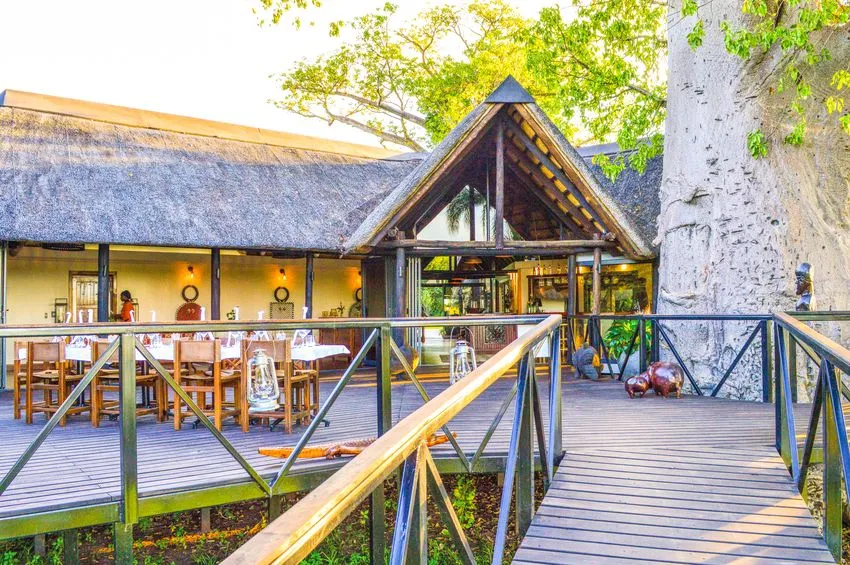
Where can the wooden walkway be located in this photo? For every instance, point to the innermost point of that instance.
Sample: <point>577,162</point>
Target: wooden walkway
<point>693,480</point>
<point>690,480</point>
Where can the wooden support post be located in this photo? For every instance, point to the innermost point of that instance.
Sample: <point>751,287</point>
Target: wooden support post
<point>122,540</point>
<point>39,543</point>
<point>766,367</point>
<point>275,507</point>
<point>597,279</point>
<point>642,335</point>
<point>70,547</point>
<point>4,267</point>
<point>791,352</point>
<point>572,296</point>
<point>103,283</point>
<point>215,284</point>
<point>471,213</point>
<point>400,308</point>
<point>499,233</point>
<point>206,522</point>
<point>308,284</point>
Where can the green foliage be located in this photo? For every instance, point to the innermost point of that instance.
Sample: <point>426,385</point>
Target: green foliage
<point>619,336</point>
<point>792,29</point>
<point>277,8</point>
<point>463,501</point>
<point>432,301</point>
<point>696,35</point>
<point>603,66</point>
<point>598,73</point>
<point>757,144</point>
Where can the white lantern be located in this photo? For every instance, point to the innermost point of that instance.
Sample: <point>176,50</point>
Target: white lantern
<point>263,392</point>
<point>462,361</point>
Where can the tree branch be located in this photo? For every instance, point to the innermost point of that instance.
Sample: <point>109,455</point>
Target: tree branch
<point>383,135</point>
<point>415,118</point>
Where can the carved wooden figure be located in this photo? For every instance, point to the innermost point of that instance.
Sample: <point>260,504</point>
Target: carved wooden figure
<point>804,288</point>
<point>637,385</point>
<point>666,377</point>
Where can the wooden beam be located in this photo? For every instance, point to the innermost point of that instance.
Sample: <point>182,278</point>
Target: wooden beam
<point>471,213</point>
<point>400,288</point>
<point>572,296</point>
<point>215,284</point>
<point>563,218</point>
<point>103,289</point>
<point>506,251</point>
<point>546,161</point>
<point>482,245</point>
<point>549,187</point>
<point>308,284</point>
<point>597,279</point>
<point>499,233</point>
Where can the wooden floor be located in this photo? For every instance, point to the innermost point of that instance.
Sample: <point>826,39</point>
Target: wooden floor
<point>653,480</point>
<point>690,480</point>
<point>79,464</point>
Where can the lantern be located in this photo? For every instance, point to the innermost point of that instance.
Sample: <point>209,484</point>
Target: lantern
<point>462,361</point>
<point>263,392</point>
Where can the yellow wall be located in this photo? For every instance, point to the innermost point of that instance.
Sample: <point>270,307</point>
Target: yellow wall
<point>156,278</point>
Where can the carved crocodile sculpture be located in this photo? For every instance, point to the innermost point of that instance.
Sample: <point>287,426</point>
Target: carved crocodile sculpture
<point>333,450</point>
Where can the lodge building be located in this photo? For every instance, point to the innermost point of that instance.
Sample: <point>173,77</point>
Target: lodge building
<point>97,199</point>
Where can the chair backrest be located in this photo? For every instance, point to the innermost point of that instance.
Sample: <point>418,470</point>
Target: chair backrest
<point>47,351</point>
<point>280,350</point>
<point>98,347</point>
<point>190,351</point>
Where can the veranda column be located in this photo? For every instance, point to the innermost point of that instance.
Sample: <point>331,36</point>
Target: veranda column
<point>215,284</point>
<point>400,309</point>
<point>308,285</point>
<point>597,279</point>
<point>103,283</point>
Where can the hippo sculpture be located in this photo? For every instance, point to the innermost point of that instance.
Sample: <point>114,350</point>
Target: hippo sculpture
<point>638,385</point>
<point>665,378</point>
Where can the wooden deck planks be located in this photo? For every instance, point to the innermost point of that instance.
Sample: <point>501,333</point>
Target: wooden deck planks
<point>690,480</point>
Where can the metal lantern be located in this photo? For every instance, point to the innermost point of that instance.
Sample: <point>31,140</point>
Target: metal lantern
<point>263,392</point>
<point>462,361</point>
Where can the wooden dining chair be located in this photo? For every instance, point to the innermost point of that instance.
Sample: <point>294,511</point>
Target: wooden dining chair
<point>108,380</point>
<point>19,377</point>
<point>47,372</point>
<point>197,370</point>
<point>295,388</point>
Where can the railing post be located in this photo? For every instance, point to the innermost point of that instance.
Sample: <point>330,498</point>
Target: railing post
<point>525,452</point>
<point>642,330</point>
<point>777,384</point>
<point>123,530</point>
<point>765,361</point>
<point>555,406</point>
<point>832,506</point>
<point>383,376</point>
<point>655,345</point>
<point>791,354</point>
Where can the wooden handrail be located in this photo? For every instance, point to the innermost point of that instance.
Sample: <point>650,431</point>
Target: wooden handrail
<point>835,352</point>
<point>292,536</point>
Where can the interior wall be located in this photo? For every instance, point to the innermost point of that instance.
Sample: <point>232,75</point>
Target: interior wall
<point>36,277</point>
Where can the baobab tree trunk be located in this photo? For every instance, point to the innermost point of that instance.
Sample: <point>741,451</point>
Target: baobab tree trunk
<point>733,228</point>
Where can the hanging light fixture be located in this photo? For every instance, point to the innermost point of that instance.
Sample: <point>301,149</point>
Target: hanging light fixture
<point>462,361</point>
<point>283,274</point>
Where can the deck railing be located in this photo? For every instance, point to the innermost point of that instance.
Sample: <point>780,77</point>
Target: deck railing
<point>292,536</point>
<point>832,361</point>
<point>125,341</point>
<point>652,334</point>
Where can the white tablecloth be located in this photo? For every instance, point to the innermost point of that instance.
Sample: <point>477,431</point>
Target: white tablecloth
<point>165,352</point>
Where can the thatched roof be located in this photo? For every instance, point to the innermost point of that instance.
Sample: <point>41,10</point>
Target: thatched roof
<point>533,136</point>
<point>78,172</point>
<point>638,195</point>
<point>72,179</point>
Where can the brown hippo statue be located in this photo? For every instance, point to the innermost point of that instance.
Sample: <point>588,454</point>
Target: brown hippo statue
<point>666,377</point>
<point>638,385</point>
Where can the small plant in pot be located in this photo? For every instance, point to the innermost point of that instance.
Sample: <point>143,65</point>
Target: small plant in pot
<point>617,340</point>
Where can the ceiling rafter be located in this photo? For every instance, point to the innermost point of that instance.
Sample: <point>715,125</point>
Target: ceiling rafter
<point>545,160</point>
<point>564,218</point>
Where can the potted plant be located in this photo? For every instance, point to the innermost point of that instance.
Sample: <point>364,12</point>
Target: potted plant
<point>617,340</point>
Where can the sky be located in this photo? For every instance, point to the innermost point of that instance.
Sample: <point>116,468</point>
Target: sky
<point>200,58</point>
